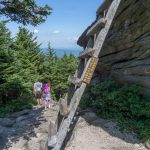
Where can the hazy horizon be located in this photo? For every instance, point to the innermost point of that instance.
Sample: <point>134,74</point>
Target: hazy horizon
<point>60,51</point>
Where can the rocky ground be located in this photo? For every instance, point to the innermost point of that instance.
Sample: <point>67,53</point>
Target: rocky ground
<point>93,133</point>
<point>28,130</point>
<point>25,130</point>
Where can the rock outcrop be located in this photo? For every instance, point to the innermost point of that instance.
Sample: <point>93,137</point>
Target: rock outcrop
<point>25,130</point>
<point>125,55</point>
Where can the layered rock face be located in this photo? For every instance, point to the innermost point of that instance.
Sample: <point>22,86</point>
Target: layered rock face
<point>126,52</point>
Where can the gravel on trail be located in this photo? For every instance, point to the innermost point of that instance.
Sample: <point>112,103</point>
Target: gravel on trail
<point>93,133</point>
<point>28,130</point>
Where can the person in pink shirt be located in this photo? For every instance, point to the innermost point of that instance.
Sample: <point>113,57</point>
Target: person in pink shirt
<point>47,94</point>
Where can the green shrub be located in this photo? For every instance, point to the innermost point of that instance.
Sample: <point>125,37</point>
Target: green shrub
<point>23,102</point>
<point>125,103</point>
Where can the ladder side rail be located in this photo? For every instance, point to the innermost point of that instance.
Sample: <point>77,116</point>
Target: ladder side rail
<point>87,67</point>
<point>103,33</point>
<point>66,124</point>
<point>61,135</point>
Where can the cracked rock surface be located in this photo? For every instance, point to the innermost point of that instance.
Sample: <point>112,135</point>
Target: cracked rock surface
<point>25,130</point>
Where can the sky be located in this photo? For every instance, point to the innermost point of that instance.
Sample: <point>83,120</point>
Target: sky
<point>64,26</point>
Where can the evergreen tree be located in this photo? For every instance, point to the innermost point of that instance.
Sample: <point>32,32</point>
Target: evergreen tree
<point>22,63</point>
<point>71,57</point>
<point>65,57</point>
<point>50,52</point>
<point>24,11</point>
<point>46,67</point>
<point>27,60</point>
<point>73,63</point>
<point>25,40</point>
<point>6,59</point>
<point>63,67</point>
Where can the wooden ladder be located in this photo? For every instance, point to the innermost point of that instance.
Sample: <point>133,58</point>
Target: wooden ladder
<point>88,60</point>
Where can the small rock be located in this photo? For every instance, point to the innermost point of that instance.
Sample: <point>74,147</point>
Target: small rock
<point>99,122</point>
<point>136,145</point>
<point>110,125</point>
<point>20,113</point>
<point>6,122</point>
<point>130,137</point>
<point>3,131</point>
<point>20,119</point>
<point>44,130</point>
<point>38,134</point>
<point>33,145</point>
<point>90,116</point>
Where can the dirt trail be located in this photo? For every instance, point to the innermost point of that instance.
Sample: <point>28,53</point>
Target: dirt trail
<point>93,133</point>
<point>25,130</point>
<point>28,130</point>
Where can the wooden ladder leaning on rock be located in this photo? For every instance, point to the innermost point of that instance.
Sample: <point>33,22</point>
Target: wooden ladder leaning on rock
<point>88,60</point>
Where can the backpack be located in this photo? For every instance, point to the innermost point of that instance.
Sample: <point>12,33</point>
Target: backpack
<point>46,90</point>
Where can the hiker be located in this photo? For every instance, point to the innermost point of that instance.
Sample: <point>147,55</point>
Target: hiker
<point>38,91</point>
<point>47,94</point>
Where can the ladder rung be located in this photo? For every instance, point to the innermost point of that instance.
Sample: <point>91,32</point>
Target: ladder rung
<point>74,80</point>
<point>86,53</point>
<point>96,27</point>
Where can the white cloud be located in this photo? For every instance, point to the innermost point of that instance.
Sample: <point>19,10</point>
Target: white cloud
<point>72,39</point>
<point>36,31</point>
<point>56,32</point>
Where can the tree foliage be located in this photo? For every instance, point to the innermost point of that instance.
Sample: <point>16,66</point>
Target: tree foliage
<point>6,58</point>
<point>22,62</point>
<point>57,70</point>
<point>24,11</point>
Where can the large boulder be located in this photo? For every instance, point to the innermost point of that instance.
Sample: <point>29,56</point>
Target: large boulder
<point>125,55</point>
